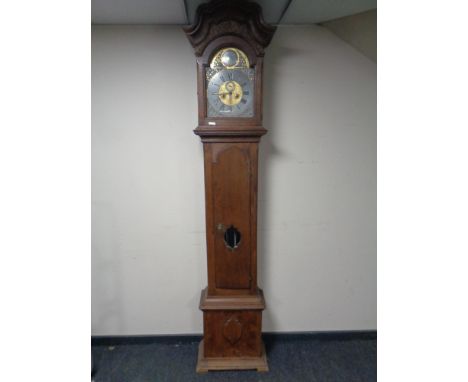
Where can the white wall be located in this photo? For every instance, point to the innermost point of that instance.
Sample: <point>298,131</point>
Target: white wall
<point>317,191</point>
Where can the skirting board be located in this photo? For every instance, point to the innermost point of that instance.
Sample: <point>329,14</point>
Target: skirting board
<point>267,337</point>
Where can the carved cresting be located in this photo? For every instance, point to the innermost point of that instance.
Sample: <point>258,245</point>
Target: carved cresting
<point>243,17</point>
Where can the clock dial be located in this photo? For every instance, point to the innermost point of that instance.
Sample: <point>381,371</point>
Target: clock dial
<point>230,85</point>
<point>230,94</point>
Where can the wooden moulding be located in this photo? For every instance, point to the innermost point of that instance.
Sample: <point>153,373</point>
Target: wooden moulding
<point>231,131</point>
<point>236,302</point>
<point>206,364</point>
<point>215,135</point>
<point>218,18</point>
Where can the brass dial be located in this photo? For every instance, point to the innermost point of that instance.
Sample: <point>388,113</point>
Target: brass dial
<point>230,58</point>
<point>230,93</point>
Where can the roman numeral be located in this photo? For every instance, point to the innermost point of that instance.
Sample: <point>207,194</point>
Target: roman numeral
<point>243,100</point>
<point>246,93</point>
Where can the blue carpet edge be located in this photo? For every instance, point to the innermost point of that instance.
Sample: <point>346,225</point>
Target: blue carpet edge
<point>338,335</point>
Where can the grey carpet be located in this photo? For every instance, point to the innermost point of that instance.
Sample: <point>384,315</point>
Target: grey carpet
<point>290,358</point>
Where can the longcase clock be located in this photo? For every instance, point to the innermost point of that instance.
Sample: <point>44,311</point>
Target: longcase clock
<point>229,38</point>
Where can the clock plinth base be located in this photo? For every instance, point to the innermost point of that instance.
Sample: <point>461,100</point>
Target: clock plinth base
<point>232,333</point>
<point>206,364</point>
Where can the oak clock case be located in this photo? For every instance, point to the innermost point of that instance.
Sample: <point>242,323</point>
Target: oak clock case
<point>229,38</point>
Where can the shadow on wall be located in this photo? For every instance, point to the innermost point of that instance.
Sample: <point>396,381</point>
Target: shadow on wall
<point>267,151</point>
